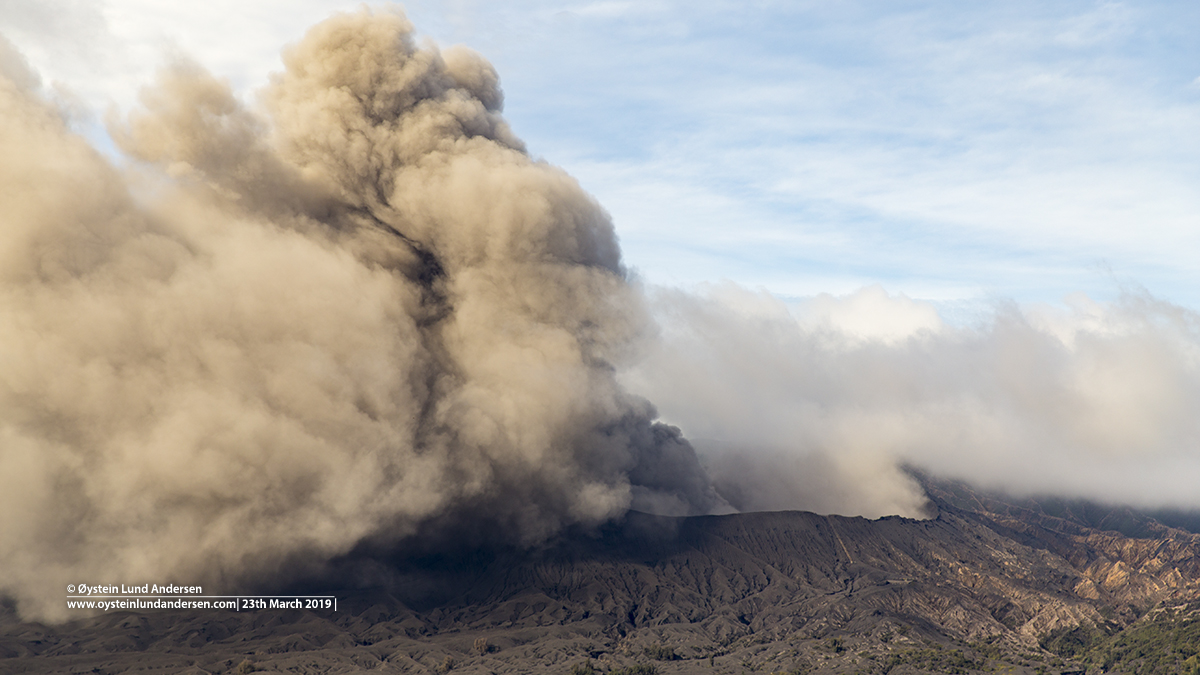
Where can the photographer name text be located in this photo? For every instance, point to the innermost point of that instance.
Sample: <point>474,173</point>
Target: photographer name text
<point>144,589</point>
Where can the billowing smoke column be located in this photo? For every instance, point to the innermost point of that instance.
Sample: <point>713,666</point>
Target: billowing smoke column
<point>279,334</point>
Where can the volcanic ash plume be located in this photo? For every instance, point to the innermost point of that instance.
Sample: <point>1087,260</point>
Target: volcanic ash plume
<point>358,312</point>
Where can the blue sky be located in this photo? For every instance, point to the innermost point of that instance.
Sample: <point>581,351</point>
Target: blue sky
<point>955,152</point>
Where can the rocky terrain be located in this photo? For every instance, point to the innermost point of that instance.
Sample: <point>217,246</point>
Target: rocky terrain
<point>985,584</point>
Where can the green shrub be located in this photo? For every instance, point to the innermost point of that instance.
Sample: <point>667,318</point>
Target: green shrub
<point>583,668</point>
<point>660,652</point>
<point>1164,645</point>
<point>638,669</point>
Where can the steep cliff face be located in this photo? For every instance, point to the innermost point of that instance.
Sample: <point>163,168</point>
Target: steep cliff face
<point>983,583</point>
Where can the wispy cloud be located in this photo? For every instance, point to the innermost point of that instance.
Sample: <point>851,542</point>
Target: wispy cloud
<point>940,148</point>
<point>1012,136</point>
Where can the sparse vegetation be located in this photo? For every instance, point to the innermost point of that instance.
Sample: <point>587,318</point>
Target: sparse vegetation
<point>1072,642</point>
<point>583,668</point>
<point>660,652</point>
<point>1165,645</point>
<point>245,667</point>
<point>987,649</point>
<point>636,669</point>
<point>934,659</point>
<point>481,646</point>
<point>447,665</point>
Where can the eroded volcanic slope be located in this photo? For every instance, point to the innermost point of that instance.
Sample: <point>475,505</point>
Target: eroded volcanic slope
<point>975,587</point>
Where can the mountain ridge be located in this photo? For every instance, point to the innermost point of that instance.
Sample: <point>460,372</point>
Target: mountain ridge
<point>965,589</point>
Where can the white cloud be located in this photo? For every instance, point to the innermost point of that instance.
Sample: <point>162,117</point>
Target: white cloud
<point>816,406</point>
